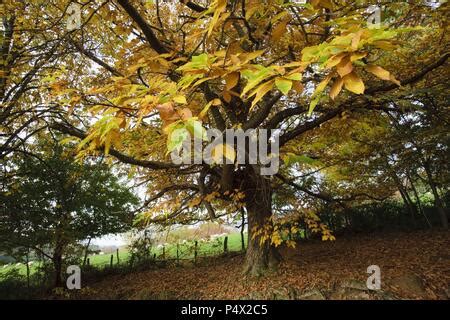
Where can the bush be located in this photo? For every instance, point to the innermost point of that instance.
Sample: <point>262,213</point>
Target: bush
<point>389,215</point>
<point>13,285</point>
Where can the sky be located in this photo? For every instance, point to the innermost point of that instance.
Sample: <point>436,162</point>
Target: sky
<point>110,240</point>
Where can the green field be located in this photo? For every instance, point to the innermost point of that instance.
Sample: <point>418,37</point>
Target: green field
<point>186,251</point>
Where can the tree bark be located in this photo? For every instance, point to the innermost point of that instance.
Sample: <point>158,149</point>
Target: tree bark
<point>57,264</point>
<point>406,198</point>
<point>86,251</point>
<point>408,203</point>
<point>242,229</point>
<point>28,271</point>
<point>437,199</point>
<point>260,257</point>
<point>419,203</point>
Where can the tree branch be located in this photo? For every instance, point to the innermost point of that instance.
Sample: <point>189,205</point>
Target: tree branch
<point>144,26</point>
<point>156,165</point>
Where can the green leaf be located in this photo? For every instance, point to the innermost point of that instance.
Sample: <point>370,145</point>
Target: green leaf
<point>176,139</point>
<point>283,85</point>
<point>196,129</point>
<point>197,63</point>
<point>255,77</point>
<point>295,76</point>
<point>180,99</point>
<point>313,104</point>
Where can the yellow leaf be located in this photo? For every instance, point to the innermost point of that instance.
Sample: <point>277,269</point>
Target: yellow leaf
<point>356,39</point>
<point>354,83</point>
<point>382,74</point>
<point>322,85</point>
<point>226,96</point>
<point>379,72</point>
<point>216,102</point>
<point>291,243</point>
<point>279,30</point>
<point>345,67</point>
<point>180,99</point>
<point>260,92</point>
<point>221,5</point>
<point>357,56</point>
<point>185,113</point>
<point>205,110</point>
<point>231,80</point>
<point>385,45</point>
<point>394,80</point>
<point>336,88</point>
<point>298,86</point>
<point>336,59</point>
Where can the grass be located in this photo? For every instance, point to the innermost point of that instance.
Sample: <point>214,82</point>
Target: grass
<point>186,251</point>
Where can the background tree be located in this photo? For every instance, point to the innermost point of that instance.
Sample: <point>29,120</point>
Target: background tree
<point>49,202</point>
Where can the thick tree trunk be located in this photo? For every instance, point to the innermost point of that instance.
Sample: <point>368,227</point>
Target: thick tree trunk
<point>260,257</point>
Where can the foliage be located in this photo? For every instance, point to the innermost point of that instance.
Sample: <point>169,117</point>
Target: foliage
<point>354,104</point>
<point>49,203</point>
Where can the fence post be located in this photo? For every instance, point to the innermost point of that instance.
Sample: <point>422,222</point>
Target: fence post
<point>178,253</point>
<point>88,261</point>
<point>195,252</point>
<point>164,253</point>
<point>111,261</point>
<point>117,253</point>
<point>225,245</point>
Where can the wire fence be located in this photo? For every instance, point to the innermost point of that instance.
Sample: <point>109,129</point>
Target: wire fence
<point>187,251</point>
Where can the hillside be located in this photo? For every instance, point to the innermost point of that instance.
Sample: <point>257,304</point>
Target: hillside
<point>413,266</point>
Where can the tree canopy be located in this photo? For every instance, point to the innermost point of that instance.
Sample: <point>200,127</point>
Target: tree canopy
<point>50,202</point>
<point>359,104</point>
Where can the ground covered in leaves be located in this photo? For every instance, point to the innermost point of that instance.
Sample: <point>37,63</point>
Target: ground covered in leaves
<point>413,266</point>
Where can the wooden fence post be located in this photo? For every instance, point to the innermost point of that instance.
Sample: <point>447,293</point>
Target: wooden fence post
<point>225,245</point>
<point>164,253</point>
<point>88,261</point>
<point>178,253</point>
<point>117,254</point>
<point>111,261</point>
<point>195,252</point>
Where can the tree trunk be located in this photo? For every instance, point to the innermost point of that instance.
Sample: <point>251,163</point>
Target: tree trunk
<point>28,271</point>
<point>242,229</point>
<point>57,264</point>
<point>86,250</point>
<point>408,203</point>
<point>406,198</point>
<point>437,199</point>
<point>259,258</point>
<point>419,203</point>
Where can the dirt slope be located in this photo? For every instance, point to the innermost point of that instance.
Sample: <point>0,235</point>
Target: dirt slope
<point>413,266</point>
